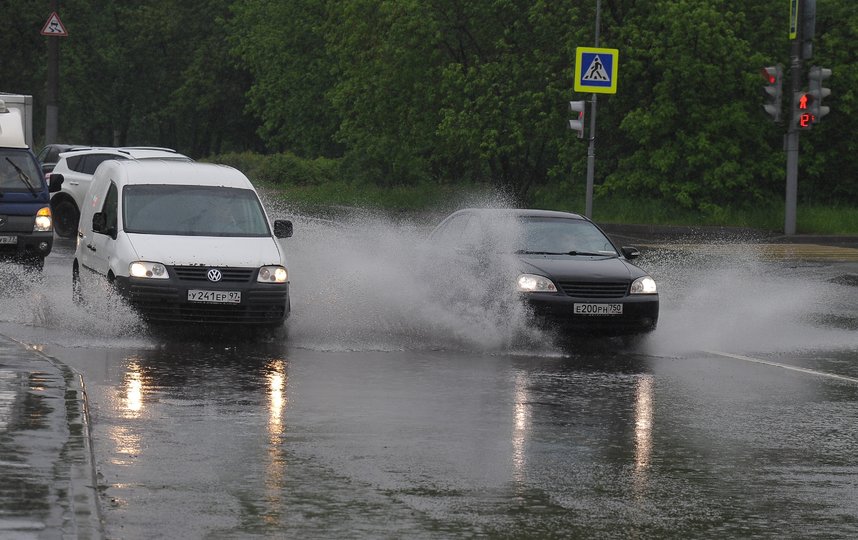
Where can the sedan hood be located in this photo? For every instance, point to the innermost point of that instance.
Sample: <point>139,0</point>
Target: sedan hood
<point>206,250</point>
<point>567,267</point>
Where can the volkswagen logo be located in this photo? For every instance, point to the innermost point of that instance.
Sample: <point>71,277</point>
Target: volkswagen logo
<point>214,275</point>
<point>2,221</point>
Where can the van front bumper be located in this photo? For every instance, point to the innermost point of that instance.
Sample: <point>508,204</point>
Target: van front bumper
<point>165,301</point>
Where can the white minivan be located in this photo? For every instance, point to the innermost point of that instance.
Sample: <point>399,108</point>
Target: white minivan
<point>182,242</point>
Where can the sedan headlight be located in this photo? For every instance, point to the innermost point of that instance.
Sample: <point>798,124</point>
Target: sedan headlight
<point>44,221</point>
<point>272,274</point>
<point>644,285</point>
<point>530,283</point>
<point>144,269</point>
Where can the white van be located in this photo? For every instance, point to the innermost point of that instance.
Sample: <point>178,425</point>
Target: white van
<point>182,242</point>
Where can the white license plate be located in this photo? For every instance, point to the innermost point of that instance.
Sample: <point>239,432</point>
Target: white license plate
<point>598,309</point>
<point>8,239</point>
<point>214,297</point>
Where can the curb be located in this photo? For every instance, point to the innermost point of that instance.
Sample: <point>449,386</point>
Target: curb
<point>75,481</point>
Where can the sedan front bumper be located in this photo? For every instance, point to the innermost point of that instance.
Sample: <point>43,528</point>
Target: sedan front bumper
<point>557,311</point>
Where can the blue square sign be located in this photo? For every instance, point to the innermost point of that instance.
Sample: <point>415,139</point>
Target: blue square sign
<point>596,70</point>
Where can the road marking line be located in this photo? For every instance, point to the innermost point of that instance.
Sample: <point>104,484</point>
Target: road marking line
<point>785,366</point>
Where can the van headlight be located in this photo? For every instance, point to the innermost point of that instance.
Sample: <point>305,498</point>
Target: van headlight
<point>144,269</point>
<point>44,221</point>
<point>273,274</point>
<point>643,285</point>
<point>529,283</point>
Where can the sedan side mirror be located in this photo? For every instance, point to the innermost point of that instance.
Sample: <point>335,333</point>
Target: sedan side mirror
<point>631,252</point>
<point>282,228</point>
<point>55,183</point>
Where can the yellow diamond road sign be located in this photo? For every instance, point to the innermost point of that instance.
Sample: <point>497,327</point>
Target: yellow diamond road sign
<point>596,70</point>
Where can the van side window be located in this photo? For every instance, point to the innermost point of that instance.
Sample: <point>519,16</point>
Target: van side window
<point>110,209</point>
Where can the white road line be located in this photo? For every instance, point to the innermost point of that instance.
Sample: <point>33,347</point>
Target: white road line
<point>785,366</point>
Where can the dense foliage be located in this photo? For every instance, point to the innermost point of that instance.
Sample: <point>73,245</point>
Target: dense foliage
<point>409,92</point>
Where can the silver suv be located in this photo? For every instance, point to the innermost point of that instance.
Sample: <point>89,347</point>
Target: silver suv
<point>76,169</point>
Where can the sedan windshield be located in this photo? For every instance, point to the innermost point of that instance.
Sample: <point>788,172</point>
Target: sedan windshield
<point>549,236</point>
<point>193,211</point>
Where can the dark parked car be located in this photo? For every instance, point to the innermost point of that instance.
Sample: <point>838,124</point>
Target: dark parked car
<point>566,269</point>
<point>49,155</point>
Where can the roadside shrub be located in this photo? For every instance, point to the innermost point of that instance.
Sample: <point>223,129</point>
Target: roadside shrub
<point>247,162</point>
<point>283,168</point>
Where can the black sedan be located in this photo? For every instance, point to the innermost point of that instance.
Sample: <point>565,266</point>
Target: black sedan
<point>570,274</point>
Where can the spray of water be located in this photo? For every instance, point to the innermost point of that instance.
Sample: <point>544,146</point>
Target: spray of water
<point>729,297</point>
<point>369,282</point>
<point>44,301</point>
<point>365,281</point>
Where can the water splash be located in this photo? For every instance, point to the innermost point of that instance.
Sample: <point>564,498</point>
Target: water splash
<point>367,281</point>
<point>728,296</point>
<point>370,282</point>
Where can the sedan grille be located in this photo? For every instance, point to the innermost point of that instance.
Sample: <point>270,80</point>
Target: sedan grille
<point>200,273</point>
<point>601,289</point>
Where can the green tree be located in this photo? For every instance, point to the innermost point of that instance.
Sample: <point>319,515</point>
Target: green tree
<point>282,45</point>
<point>691,108</point>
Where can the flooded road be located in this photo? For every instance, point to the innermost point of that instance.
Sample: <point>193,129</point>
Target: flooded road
<point>386,412</point>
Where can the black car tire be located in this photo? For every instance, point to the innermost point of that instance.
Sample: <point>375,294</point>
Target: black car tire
<point>66,218</point>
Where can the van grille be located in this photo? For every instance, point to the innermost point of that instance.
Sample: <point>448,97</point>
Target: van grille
<point>200,273</point>
<point>163,304</point>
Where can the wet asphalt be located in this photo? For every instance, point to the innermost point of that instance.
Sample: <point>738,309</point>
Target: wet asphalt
<point>47,480</point>
<point>48,487</point>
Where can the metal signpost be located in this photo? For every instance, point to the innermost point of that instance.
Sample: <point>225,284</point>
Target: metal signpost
<point>595,72</point>
<point>53,28</point>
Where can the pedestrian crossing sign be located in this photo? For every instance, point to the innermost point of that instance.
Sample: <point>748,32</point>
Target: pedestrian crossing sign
<point>596,70</point>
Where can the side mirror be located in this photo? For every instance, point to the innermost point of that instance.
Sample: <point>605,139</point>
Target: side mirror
<point>56,182</point>
<point>99,222</point>
<point>282,228</point>
<point>631,252</point>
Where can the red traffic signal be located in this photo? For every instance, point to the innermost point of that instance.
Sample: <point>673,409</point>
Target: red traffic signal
<point>773,77</point>
<point>805,101</point>
<point>770,74</point>
<point>803,115</point>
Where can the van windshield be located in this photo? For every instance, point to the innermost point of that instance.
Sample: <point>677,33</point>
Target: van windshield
<point>193,211</point>
<point>18,171</point>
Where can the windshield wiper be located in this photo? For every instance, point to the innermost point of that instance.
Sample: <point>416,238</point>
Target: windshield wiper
<point>573,253</point>
<point>591,253</point>
<point>22,176</point>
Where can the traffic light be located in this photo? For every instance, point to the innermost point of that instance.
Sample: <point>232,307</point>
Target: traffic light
<point>802,115</point>
<point>773,76</point>
<point>815,78</point>
<point>577,124</point>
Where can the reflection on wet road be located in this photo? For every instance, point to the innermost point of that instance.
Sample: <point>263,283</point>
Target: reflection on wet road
<point>266,439</point>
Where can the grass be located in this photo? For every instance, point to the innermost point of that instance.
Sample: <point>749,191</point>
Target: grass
<point>816,219</point>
